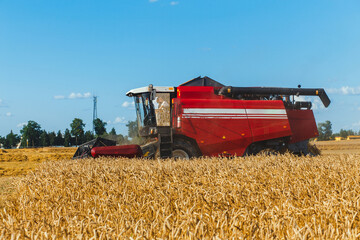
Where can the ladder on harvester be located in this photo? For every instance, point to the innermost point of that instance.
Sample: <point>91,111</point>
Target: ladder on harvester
<point>165,142</point>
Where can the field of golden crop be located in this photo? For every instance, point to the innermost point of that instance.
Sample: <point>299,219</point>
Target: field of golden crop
<point>339,147</point>
<point>213,198</point>
<point>14,162</point>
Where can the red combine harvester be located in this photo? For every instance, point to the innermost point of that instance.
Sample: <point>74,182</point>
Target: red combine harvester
<point>205,118</point>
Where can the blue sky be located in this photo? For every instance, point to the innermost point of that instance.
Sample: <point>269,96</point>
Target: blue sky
<point>54,55</point>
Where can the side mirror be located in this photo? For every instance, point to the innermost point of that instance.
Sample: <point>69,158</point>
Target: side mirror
<point>152,92</point>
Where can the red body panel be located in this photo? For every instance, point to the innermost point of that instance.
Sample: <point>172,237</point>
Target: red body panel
<point>303,125</point>
<point>267,119</point>
<point>227,126</point>
<point>215,126</point>
<point>128,151</point>
<point>197,92</point>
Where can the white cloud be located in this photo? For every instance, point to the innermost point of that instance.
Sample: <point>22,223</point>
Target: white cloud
<point>74,96</point>
<point>127,104</point>
<point>8,114</point>
<point>21,124</point>
<point>356,124</point>
<point>120,120</point>
<point>350,90</point>
<point>316,103</point>
<point>59,97</point>
<point>79,95</point>
<point>173,3</point>
<point>87,95</point>
<point>345,90</point>
<point>301,98</point>
<point>117,120</point>
<point>152,1</point>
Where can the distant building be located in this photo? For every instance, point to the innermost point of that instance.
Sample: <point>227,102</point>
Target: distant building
<point>339,138</point>
<point>352,137</point>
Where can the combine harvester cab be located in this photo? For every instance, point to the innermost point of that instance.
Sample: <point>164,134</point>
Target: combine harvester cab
<point>203,117</point>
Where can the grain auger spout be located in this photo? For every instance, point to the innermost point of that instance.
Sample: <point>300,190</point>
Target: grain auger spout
<point>268,92</point>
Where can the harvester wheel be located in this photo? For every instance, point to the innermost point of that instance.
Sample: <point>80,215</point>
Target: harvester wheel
<point>267,152</point>
<point>183,149</point>
<point>180,153</point>
<point>313,150</point>
<point>304,148</point>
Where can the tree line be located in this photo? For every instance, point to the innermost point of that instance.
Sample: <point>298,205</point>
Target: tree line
<point>326,133</point>
<point>32,135</point>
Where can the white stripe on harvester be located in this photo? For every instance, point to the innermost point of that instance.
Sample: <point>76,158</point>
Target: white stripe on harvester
<point>215,110</point>
<point>219,117</point>
<point>234,113</point>
<point>266,111</point>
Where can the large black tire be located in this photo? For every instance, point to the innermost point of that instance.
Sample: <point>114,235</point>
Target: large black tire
<point>183,149</point>
<point>304,148</point>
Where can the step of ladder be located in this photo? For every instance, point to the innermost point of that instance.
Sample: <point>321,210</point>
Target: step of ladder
<point>166,142</point>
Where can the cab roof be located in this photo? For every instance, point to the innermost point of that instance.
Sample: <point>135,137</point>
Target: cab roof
<point>136,91</point>
<point>203,82</point>
<point>199,81</point>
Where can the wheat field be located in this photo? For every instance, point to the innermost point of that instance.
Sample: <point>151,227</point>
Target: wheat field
<point>15,162</point>
<point>261,197</point>
<point>339,147</point>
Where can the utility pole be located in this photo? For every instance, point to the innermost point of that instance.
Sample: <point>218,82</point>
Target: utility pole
<point>94,112</point>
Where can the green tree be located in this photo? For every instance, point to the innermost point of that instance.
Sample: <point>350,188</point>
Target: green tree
<point>52,137</point>
<point>88,136</point>
<point>59,140</point>
<point>31,134</point>
<point>77,130</point>
<point>121,139</point>
<point>132,129</point>
<point>325,130</point>
<point>112,132</point>
<point>44,139</point>
<point>6,143</point>
<point>343,133</point>
<point>11,140</point>
<point>67,138</point>
<point>99,127</point>
<point>133,133</point>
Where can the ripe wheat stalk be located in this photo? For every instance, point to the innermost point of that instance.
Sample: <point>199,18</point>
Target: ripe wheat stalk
<point>207,198</point>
